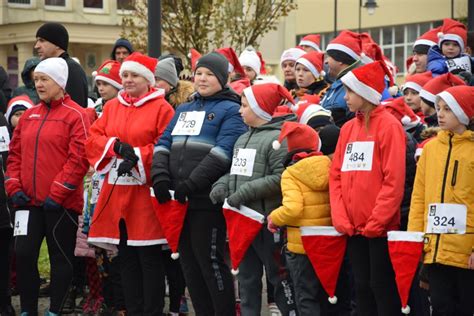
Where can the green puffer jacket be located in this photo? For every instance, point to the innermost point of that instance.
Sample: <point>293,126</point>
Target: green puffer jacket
<point>261,191</point>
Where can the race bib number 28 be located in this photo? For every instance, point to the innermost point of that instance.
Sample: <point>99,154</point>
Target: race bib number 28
<point>444,218</point>
<point>189,123</point>
<point>358,156</point>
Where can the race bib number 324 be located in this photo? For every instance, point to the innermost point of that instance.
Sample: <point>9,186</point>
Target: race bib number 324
<point>358,156</point>
<point>445,218</point>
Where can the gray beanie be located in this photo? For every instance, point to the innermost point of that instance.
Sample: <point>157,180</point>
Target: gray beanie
<point>166,70</point>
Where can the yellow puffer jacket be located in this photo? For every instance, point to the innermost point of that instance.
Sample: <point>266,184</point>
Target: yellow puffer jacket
<point>305,189</point>
<point>445,174</point>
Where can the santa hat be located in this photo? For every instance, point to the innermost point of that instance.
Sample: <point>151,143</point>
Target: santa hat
<point>425,41</point>
<point>408,63</point>
<point>171,217</point>
<point>194,55</point>
<point>368,81</point>
<point>140,64</point>
<point>291,54</point>
<point>452,30</point>
<point>371,53</point>
<point>403,113</point>
<point>365,38</point>
<point>314,61</point>
<point>405,250</point>
<point>19,103</point>
<point>439,84</point>
<point>347,42</point>
<point>231,56</point>
<point>298,136</point>
<point>325,248</point>
<point>250,58</point>
<point>417,81</point>
<point>263,70</point>
<point>264,98</point>
<point>243,224</point>
<point>460,100</point>
<point>109,72</point>
<point>308,107</point>
<point>311,40</point>
<point>420,146</point>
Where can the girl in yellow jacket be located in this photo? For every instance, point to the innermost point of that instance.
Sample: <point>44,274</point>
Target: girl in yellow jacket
<point>442,204</point>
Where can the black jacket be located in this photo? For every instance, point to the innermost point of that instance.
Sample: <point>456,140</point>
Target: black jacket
<point>5,90</point>
<point>29,87</point>
<point>410,171</point>
<point>76,85</point>
<point>5,216</point>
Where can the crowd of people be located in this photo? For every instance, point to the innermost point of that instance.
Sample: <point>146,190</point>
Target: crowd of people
<point>338,190</point>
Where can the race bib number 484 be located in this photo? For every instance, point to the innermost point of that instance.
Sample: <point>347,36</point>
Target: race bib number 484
<point>189,123</point>
<point>358,156</point>
<point>444,218</point>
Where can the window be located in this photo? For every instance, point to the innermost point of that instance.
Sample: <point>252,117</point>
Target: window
<point>94,4</point>
<point>56,3</point>
<point>125,4</point>
<point>26,2</point>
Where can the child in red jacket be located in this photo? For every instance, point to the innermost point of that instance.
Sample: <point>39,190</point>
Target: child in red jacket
<point>366,188</point>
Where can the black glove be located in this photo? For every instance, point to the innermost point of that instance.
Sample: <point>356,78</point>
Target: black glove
<point>20,199</point>
<point>51,205</point>
<point>181,192</point>
<point>125,168</point>
<point>162,192</point>
<point>218,194</point>
<point>125,150</point>
<point>234,200</point>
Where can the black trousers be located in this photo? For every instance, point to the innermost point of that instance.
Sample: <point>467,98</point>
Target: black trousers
<point>6,237</point>
<point>176,283</point>
<point>451,290</point>
<point>143,277</point>
<point>59,228</point>
<point>207,276</point>
<point>112,283</point>
<point>376,290</point>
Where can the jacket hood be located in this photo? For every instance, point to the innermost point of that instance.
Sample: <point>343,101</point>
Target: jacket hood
<point>444,136</point>
<point>312,172</point>
<point>180,94</point>
<point>30,64</point>
<point>225,94</point>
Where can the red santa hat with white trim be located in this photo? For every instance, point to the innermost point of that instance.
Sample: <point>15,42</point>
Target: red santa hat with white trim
<point>452,30</point>
<point>420,146</point>
<point>109,72</point>
<point>314,61</point>
<point>291,54</point>
<point>311,40</point>
<point>231,56</point>
<point>325,248</point>
<point>417,81</point>
<point>308,107</point>
<point>140,64</point>
<point>368,81</point>
<point>298,136</point>
<point>18,103</point>
<point>460,101</point>
<point>439,84</point>
<point>405,250</point>
<point>371,52</point>
<point>402,112</point>
<point>347,42</point>
<point>243,224</point>
<point>425,41</point>
<point>171,217</point>
<point>365,38</point>
<point>264,98</point>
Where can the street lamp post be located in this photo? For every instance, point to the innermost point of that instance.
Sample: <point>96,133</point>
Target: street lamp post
<point>370,5</point>
<point>154,28</point>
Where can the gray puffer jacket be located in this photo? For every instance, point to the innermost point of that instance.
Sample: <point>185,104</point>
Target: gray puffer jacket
<point>261,191</point>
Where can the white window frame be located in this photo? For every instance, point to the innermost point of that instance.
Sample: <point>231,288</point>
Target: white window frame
<point>67,6</point>
<point>31,5</point>
<point>103,10</point>
<point>123,11</point>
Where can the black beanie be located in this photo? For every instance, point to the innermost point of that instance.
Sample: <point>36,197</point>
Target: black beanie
<point>329,136</point>
<point>218,64</point>
<point>54,33</point>
<point>421,49</point>
<point>340,56</point>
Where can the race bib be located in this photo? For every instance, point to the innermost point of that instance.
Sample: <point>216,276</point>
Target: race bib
<point>456,65</point>
<point>21,223</point>
<point>358,156</point>
<point>4,139</point>
<point>138,177</point>
<point>444,218</point>
<point>96,184</point>
<point>243,161</point>
<point>189,123</point>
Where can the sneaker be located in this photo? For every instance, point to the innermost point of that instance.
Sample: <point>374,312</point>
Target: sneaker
<point>273,310</point>
<point>183,307</point>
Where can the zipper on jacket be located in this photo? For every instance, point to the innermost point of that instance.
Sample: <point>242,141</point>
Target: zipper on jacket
<point>455,173</point>
<point>36,152</point>
<point>443,188</point>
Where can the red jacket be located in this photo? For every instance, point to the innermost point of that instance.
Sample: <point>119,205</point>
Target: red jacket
<point>47,155</point>
<point>368,202</point>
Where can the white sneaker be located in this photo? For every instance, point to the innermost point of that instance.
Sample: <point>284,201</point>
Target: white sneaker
<point>273,310</point>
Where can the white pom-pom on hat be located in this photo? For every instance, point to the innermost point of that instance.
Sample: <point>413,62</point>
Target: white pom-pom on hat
<point>323,73</point>
<point>363,54</point>
<point>276,145</point>
<point>295,107</point>
<point>393,90</point>
<point>332,300</point>
<point>234,272</point>
<point>406,310</point>
<point>405,120</point>
<point>94,73</point>
<point>440,34</point>
<point>175,255</point>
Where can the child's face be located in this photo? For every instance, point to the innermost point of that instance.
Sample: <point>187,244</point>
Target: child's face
<point>248,115</point>
<point>426,109</point>
<point>354,101</point>
<point>106,90</point>
<point>412,98</point>
<point>304,77</point>
<point>162,84</point>
<point>250,73</point>
<point>446,118</point>
<point>288,67</point>
<point>16,117</point>
<point>450,49</point>
<point>205,82</point>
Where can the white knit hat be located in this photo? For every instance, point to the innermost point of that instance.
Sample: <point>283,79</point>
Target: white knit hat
<point>250,59</point>
<point>56,68</point>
